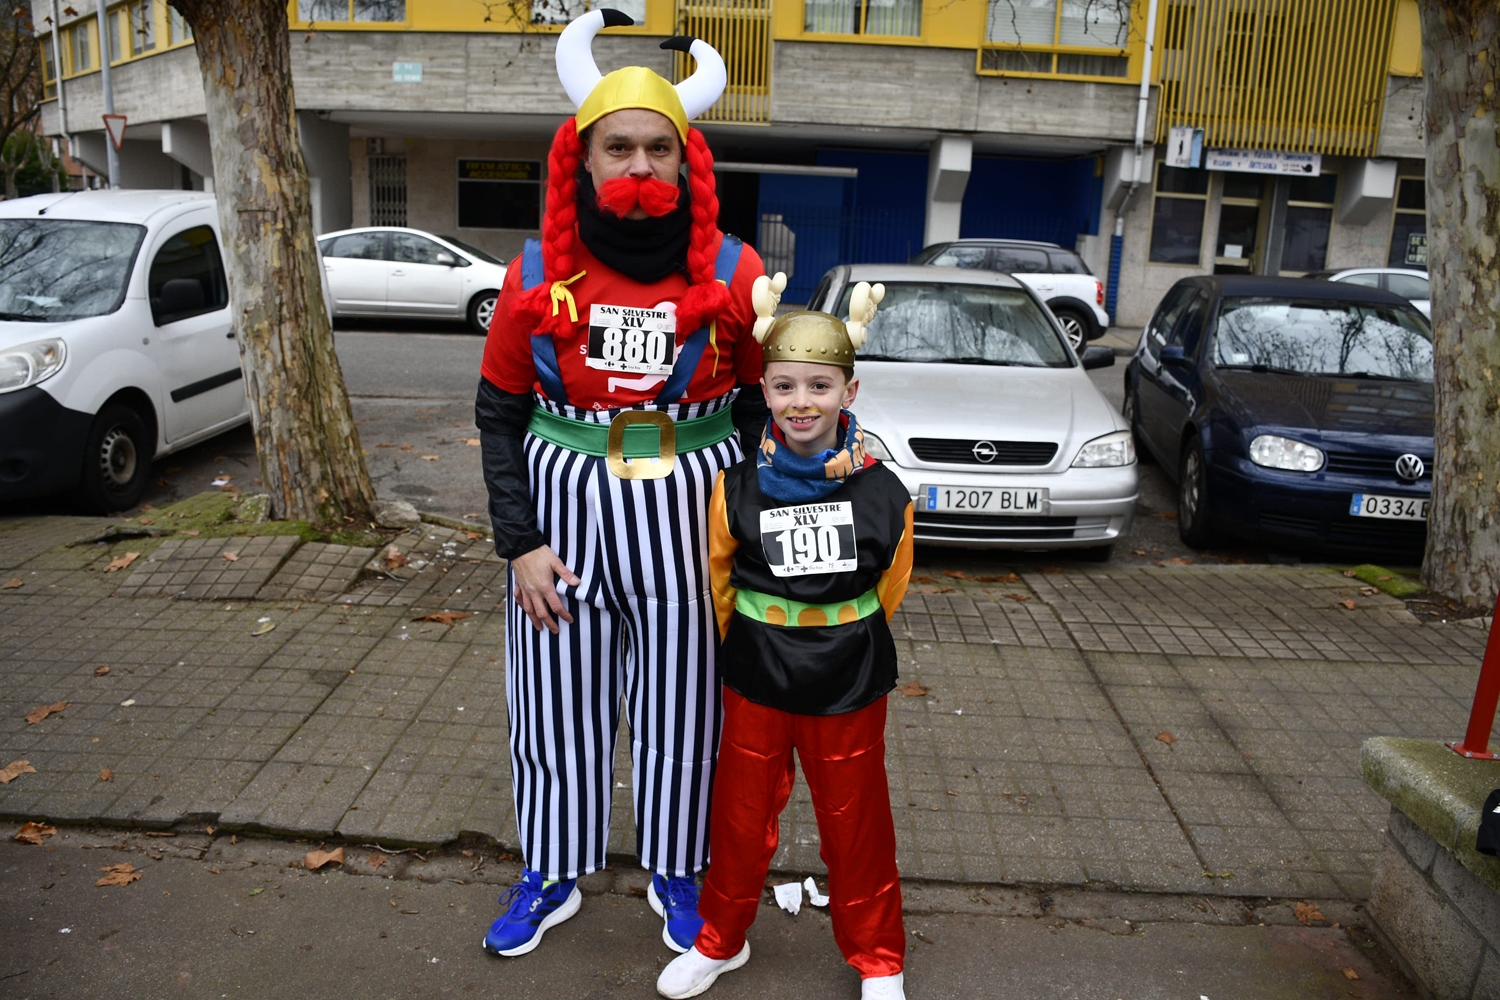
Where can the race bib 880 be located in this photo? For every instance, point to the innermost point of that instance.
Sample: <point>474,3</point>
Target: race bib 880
<point>625,339</point>
<point>809,538</point>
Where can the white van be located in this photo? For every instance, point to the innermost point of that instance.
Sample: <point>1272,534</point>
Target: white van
<point>117,344</point>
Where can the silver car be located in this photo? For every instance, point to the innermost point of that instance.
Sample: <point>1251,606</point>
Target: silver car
<point>970,393</point>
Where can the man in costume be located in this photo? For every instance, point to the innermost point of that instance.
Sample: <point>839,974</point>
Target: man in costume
<point>607,407</point>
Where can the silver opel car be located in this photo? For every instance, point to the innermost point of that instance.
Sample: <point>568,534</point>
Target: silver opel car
<point>970,393</point>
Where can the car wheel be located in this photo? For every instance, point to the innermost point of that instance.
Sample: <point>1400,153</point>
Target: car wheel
<point>1192,497</point>
<point>116,461</point>
<point>1075,327</point>
<point>482,310</point>
<point>1131,413</point>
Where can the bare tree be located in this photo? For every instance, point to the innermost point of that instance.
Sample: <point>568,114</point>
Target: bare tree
<point>1461,65</point>
<point>20,85</point>
<point>310,456</point>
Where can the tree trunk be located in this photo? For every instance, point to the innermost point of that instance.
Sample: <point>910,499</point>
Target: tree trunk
<point>310,457</point>
<point>1461,64</point>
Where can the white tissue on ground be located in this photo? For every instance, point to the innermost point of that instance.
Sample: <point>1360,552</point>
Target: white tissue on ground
<point>789,896</point>
<point>813,896</point>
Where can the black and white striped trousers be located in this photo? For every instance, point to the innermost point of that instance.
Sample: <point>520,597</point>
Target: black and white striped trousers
<point>643,628</point>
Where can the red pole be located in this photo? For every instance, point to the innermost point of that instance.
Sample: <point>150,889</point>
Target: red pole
<point>1486,698</point>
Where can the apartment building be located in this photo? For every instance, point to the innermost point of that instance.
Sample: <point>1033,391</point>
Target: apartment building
<point>852,130</point>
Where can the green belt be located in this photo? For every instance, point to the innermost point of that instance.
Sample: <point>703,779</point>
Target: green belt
<point>641,440</point>
<point>783,611</point>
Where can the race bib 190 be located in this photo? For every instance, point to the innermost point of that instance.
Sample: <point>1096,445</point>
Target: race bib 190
<point>625,339</point>
<point>809,538</point>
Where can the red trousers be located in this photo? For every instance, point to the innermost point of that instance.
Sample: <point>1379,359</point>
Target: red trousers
<point>843,759</point>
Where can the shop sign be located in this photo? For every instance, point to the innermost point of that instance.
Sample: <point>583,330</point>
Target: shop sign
<point>1264,161</point>
<point>499,170</point>
<point>1185,146</point>
<point>1416,248</point>
<point>406,72</point>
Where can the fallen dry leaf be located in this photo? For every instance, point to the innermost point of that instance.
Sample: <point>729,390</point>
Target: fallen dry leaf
<point>472,535</point>
<point>122,874</point>
<point>471,442</point>
<point>144,520</point>
<point>1382,579</point>
<point>637,890</point>
<point>1137,552</point>
<point>100,670</point>
<point>956,574</point>
<point>230,556</point>
<point>1369,591</point>
<point>431,458</point>
<point>317,859</point>
<point>11,584</point>
<point>1175,561</point>
<point>264,628</point>
<point>1351,574</point>
<point>32,833</point>
<point>1347,605</point>
<point>386,444</point>
<point>1166,737</point>
<point>913,689</point>
<point>192,532</point>
<point>1016,597</point>
<point>1000,578</point>
<point>10,772</point>
<point>1166,515</point>
<point>120,562</point>
<point>408,447</point>
<point>393,557</point>
<point>923,579</point>
<point>444,617</point>
<point>1052,569</point>
<point>375,861</point>
<point>1349,973</point>
<point>42,711</point>
<point>106,775</point>
<point>1306,913</point>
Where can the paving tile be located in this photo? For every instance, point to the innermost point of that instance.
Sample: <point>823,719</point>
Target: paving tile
<point>317,572</point>
<point>201,568</point>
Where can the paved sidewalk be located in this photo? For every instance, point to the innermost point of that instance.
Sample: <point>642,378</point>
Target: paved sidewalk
<point>1183,729</point>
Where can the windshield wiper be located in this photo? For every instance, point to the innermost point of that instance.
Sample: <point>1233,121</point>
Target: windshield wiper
<point>24,317</point>
<point>879,357</point>
<point>1375,375</point>
<point>987,361</point>
<point>1266,369</point>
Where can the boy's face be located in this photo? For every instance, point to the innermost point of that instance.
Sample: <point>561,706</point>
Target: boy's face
<point>805,399</point>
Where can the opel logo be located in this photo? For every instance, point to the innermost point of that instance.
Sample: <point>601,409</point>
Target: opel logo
<point>984,452</point>
<point>1410,468</point>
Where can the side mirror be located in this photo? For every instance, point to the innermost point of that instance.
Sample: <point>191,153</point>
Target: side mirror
<point>446,258</point>
<point>1174,356</point>
<point>1097,357</point>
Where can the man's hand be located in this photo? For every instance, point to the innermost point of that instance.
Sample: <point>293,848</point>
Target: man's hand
<point>536,575</point>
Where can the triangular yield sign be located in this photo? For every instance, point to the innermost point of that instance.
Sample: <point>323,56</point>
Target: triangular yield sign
<point>115,126</point>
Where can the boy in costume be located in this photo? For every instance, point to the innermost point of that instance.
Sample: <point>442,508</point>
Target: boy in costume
<point>810,548</point>
<point>607,407</point>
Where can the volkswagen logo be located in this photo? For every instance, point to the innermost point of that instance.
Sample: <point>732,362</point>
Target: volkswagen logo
<point>1410,468</point>
<point>984,452</point>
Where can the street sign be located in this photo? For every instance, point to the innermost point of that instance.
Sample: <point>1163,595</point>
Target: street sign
<point>406,72</point>
<point>1185,146</point>
<point>1264,161</point>
<point>115,126</point>
<point>1416,248</point>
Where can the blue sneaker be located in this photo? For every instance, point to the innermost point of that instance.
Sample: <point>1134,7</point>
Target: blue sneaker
<point>531,911</point>
<point>675,900</point>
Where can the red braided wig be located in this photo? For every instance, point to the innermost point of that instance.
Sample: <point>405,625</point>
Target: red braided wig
<point>705,300</point>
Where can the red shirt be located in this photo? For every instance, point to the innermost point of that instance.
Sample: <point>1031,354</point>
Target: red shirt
<point>607,364</point>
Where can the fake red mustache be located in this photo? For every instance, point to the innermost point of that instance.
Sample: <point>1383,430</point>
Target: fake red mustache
<point>620,195</point>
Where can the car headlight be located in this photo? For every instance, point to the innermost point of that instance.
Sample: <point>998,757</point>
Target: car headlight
<point>28,364</point>
<point>1276,452</point>
<point>876,448</point>
<point>1110,450</point>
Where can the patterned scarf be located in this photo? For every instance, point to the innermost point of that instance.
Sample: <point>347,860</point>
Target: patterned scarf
<point>787,477</point>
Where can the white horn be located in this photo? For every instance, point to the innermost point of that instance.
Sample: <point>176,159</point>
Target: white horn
<point>699,91</point>
<point>575,56</point>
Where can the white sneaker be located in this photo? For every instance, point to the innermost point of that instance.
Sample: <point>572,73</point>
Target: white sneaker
<point>882,988</point>
<point>692,972</point>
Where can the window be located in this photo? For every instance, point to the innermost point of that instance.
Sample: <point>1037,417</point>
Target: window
<point>1177,215</point>
<point>140,20</point>
<point>409,248</point>
<point>863,17</point>
<point>1408,286</point>
<point>359,246</point>
<point>1409,227</point>
<point>1063,262</point>
<point>1363,279</point>
<point>187,277</point>
<point>1239,221</point>
<point>112,19</point>
<point>499,194</point>
<point>1189,328</point>
<point>1166,317</point>
<point>351,10</point>
<point>79,47</point>
<point>1020,260</point>
<point>1309,216</point>
<point>178,30</point>
<point>959,256</point>
<point>1020,31</point>
<point>49,69</point>
<point>387,190</point>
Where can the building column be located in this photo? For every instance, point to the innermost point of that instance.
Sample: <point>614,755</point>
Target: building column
<point>950,158</point>
<point>1270,260</point>
<point>325,148</point>
<point>186,141</point>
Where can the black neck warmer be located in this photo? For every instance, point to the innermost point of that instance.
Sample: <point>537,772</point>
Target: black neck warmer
<point>644,250</point>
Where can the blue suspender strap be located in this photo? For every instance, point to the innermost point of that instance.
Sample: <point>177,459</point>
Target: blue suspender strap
<point>693,347</point>
<point>543,350</point>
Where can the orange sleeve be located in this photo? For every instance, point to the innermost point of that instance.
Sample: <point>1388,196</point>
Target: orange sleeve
<point>721,549</point>
<point>892,584</point>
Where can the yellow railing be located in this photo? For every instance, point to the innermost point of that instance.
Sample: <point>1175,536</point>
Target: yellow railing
<point>1295,75</point>
<point>741,31</point>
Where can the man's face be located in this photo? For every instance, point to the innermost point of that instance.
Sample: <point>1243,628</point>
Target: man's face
<point>633,143</point>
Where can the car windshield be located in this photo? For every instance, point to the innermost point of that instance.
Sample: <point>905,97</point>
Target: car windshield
<point>962,324</point>
<point>473,251</point>
<point>1324,338</point>
<point>57,269</point>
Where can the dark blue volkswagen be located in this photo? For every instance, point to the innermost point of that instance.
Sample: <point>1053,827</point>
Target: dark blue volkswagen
<point>1292,412</point>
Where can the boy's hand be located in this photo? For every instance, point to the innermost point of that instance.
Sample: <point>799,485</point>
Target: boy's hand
<point>536,575</point>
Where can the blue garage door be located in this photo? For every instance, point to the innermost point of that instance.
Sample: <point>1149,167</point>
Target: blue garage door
<point>1048,200</point>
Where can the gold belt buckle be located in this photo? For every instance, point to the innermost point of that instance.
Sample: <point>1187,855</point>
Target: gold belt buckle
<point>641,468</point>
